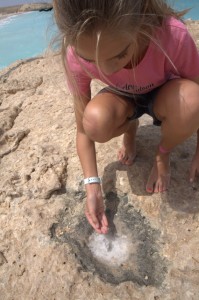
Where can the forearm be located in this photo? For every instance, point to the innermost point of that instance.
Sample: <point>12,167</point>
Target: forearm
<point>197,146</point>
<point>94,208</point>
<point>87,155</point>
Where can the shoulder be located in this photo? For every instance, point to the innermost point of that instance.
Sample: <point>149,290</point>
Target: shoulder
<point>174,30</point>
<point>72,60</point>
<point>180,48</point>
<point>174,24</point>
<point>174,35</point>
<point>77,64</point>
<point>77,73</point>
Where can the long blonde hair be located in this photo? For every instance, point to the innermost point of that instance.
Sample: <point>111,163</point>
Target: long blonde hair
<point>75,17</point>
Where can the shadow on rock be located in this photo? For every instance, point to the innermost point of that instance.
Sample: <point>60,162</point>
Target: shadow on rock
<point>181,196</point>
<point>139,171</point>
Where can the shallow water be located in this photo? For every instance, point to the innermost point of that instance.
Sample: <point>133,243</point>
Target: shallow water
<point>25,35</point>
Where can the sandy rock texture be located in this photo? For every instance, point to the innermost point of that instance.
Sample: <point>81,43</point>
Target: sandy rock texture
<point>44,236</point>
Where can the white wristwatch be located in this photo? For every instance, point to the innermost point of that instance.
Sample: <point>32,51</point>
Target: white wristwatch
<point>92,180</point>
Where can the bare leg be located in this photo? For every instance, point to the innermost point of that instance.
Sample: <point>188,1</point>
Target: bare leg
<point>177,105</point>
<point>107,116</point>
<point>127,153</point>
<point>159,177</point>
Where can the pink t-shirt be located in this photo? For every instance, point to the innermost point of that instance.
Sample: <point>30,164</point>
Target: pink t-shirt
<point>177,57</point>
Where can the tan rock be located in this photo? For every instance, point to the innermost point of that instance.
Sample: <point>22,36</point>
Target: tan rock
<point>44,251</point>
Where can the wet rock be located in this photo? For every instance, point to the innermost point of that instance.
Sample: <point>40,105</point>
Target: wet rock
<point>142,264</point>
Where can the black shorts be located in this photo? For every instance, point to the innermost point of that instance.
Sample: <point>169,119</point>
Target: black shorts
<point>143,103</point>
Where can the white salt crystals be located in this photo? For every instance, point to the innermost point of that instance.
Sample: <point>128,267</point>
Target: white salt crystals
<point>113,250</point>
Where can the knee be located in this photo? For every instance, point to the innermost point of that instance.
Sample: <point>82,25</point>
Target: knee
<point>188,107</point>
<point>178,104</point>
<point>97,123</point>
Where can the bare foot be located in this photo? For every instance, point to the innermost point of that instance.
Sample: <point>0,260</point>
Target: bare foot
<point>127,153</point>
<point>159,177</point>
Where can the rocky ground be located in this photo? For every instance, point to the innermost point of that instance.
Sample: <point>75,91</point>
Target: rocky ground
<point>44,236</point>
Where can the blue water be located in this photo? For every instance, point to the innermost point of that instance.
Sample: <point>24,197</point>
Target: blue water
<point>184,4</point>
<point>27,35</point>
<point>18,2</point>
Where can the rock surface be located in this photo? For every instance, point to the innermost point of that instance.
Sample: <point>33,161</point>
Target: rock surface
<point>44,236</point>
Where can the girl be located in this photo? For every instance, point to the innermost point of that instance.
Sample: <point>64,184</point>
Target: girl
<point>144,54</point>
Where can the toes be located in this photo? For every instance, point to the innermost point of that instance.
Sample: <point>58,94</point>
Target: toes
<point>157,183</point>
<point>161,186</point>
<point>124,159</point>
<point>150,186</point>
<point>129,161</point>
<point>149,189</point>
<point>157,188</point>
<point>121,156</point>
<point>151,182</point>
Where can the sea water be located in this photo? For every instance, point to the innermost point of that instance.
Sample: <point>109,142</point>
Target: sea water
<point>29,34</point>
<point>25,35</point>
<point>19,2</point>
<point>184,4</point>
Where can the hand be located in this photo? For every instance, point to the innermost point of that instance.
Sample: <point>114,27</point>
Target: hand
<point>95,209</point>
<point>194,168</point>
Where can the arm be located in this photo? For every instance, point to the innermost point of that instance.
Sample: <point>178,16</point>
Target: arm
<point>197,147</point>
<point>195,161</point>
<point>87,155</point>
<point>194,169</point>
<point>79,80</point>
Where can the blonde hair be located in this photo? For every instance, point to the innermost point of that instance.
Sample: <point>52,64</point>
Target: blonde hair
<point>75,17</point>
